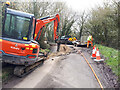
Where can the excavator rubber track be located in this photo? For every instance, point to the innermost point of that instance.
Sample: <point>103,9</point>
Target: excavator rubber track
<point>21,71</point>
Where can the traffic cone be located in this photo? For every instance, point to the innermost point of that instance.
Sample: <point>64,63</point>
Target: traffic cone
<point>94,52</point>
<point>98,56</point>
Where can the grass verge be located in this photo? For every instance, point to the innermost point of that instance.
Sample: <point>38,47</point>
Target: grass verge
<point>112,59</point>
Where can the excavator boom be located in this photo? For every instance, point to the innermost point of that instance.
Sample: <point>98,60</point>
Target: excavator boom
<point>42,22</point>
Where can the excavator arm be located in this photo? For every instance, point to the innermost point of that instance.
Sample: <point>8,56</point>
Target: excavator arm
<point>40,23</point>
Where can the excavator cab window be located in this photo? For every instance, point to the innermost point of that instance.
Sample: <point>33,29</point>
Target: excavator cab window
<point>17,26</point>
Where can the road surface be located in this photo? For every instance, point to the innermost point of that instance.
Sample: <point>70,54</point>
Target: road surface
<point>66,71</point>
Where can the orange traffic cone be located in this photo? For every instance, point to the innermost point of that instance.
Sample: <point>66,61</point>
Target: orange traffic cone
<point>94,52</point>
<point>98,56</point>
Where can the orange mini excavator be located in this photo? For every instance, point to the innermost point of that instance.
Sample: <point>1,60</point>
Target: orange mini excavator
<point>19,32</point>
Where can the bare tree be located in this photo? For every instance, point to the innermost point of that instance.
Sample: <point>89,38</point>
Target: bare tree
<point>81,22</point>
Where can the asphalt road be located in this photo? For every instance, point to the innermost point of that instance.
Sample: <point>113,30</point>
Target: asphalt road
<point>68,71</point>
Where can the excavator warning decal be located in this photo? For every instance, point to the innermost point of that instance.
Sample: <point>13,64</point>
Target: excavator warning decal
<point>35,35</point>
<point>31,48</point>
<point>0,40</point>
<point>26,44</point>
<point>27,47</point>
<point>25,38</point>
<point>33,45</point>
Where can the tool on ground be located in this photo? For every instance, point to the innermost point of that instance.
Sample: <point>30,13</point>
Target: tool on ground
<point>98,58</point>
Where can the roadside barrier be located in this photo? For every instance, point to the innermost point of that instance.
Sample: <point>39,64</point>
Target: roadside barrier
<point>98,58</point>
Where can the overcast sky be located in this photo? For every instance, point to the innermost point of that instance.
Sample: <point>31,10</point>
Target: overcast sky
<point>81,5</point>
<point>77,5</point>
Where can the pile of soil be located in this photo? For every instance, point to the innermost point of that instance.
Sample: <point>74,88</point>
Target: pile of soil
<point>64,48</point>
<point>62,51</point>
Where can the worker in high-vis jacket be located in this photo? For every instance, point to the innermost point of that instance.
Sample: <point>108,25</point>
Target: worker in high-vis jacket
<point>89,40</point>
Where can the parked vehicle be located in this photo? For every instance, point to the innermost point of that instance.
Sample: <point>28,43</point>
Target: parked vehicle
<point>76,43</point>
<point>82,42</point>
<point>65,40</point>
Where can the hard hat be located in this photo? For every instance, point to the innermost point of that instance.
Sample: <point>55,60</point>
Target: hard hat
<point>8,3</point>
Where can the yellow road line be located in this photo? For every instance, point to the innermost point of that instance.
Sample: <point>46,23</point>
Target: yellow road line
<point>93,72</point>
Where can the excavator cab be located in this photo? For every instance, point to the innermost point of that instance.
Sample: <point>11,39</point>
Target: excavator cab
<point>18,25</point>
<point>18,46</point>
